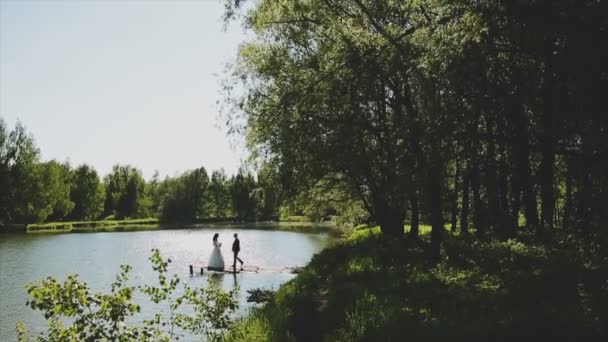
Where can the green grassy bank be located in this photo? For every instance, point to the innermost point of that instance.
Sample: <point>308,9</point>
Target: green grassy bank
<point>371,289</point>
<point>93,226</point>
<point>153,223</point>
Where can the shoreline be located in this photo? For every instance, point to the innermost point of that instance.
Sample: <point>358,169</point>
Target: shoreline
<point>155,224</point>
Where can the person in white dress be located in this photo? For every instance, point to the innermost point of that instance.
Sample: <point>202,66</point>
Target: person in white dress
<point>216,260</point>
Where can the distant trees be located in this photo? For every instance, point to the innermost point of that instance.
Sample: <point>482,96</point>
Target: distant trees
<point>219,196</point>
<point>52,193</point>
<point>4,172</point>
<point>30,191</point>
<point>186,197</point>
<point>35,191</point>
<point>19,172</point>
<point>192,196</point>
<point>244,204</point>
<point>87,193</point>
<point>126,195</point>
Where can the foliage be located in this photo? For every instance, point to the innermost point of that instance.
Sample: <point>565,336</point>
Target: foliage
<point>39,192</point>
<point>260,295</point>
<point>87,193</point>
<point>219,196</point>
<point>485,111</point>
<point>326,202</point>
<point>19,172</point>
<point>53,191</point>
<point>100,316</point>
<point>126,194</point>
<point>371,288</point>
<point>241,193</point>
<point>184,198</point>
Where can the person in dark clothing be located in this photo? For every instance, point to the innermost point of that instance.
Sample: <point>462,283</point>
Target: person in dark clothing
<point>236,248</point>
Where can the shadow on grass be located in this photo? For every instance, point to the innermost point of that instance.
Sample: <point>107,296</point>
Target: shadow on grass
<point>373,289</point>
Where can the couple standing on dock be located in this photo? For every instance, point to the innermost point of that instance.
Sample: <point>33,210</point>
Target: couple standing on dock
<point>216,261</point>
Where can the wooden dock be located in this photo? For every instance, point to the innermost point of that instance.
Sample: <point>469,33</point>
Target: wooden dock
<point>201,268</point>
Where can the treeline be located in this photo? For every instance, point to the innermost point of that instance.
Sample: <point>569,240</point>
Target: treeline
<point>32,190</point>
<point>489,115</point>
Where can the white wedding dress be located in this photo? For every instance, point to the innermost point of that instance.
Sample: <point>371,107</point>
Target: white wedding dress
<point>216,260</point>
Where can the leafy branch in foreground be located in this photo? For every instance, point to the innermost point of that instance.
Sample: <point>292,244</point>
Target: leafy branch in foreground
<point>98,316</point>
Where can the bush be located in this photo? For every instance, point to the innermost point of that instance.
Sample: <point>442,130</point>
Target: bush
<point>103,316</point>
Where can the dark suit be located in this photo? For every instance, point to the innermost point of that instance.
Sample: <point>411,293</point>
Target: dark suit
<point>236,248</point>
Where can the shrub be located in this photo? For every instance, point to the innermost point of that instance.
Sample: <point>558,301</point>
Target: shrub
<point>103,316</point>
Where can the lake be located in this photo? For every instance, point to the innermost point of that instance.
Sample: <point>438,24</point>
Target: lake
<point>96,258</point>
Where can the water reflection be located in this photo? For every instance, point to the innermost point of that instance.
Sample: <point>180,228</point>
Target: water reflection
<point>218,279</point>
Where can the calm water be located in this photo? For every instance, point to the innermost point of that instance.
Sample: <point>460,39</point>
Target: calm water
<point>96,258</point>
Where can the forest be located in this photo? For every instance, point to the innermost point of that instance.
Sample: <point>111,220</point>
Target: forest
<point>488,116</point>
<point>36,191</point>
<point>475,136</point>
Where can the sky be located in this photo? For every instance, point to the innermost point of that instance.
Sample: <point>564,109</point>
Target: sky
<point>108,82</point>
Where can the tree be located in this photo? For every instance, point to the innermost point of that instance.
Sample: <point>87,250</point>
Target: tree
<point>242,186</point>
<point>268,194</point>
<point>341,90</point>
<point>53,191</point>
<point>74,312</point>
<point>20,158</point>
<point>413,101</point>
<point>87,193</point>
<point>4,173</point>
<point>219,196</point>
<point>186,197</point>
<point>126,194</point>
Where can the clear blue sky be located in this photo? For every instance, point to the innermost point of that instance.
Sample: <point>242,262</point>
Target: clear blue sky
<point>131,82</point>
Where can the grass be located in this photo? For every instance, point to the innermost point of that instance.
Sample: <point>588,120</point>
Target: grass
<point>153,224</point>
<point>295,218</point>
<point>368,288</point>
<point>94,226</point>
<point>302,227</point>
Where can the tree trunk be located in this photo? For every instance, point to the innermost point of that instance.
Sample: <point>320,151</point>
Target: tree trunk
<point>434,203</point>
<point>490,177</point>
<point>568,203</point>
<point>547,166</point>
<point>584,194</point>
<point>530,201</point>
<point>478,219</point>
<point>415,220</point>
<point>504,209</point>
<point>464,213</point>
<point>436,217</point>
<point>391,220</point>
<point>455,198</point>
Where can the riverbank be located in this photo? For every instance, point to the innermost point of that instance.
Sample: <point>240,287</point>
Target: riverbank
<point>155,224</point>
<point>368,288</point>
<point>94,226</point>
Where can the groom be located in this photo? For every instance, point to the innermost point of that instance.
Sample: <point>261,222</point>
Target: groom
<point>236,248</point>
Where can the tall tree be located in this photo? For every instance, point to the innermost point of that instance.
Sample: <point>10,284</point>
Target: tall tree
<point>185,198</point>
<point>126,194</point>
<point>53,191</point>
<point>22,157</point>
<point>219,196</point>
<point>87,193</point>
<point>244,203</point>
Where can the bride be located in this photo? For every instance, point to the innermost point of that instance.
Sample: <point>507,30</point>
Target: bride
<point>216,260</point>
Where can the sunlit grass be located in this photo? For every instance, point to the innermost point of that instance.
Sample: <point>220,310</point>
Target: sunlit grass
<point>93,226</point>
<point>365,232</point>
<point>369,288</point>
